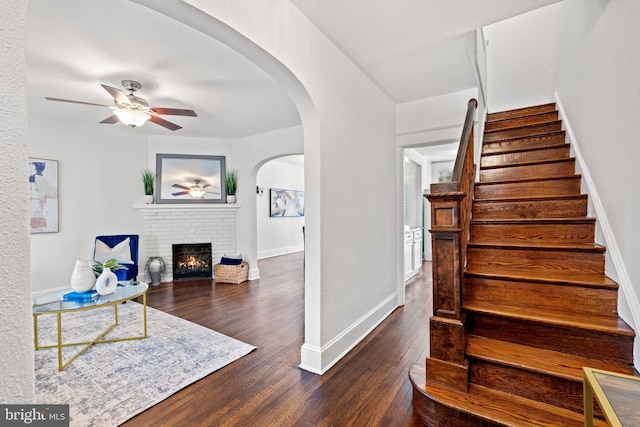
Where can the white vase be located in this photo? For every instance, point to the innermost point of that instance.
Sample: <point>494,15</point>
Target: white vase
<point>106,282</point>
<point>83,278</point>
<point>231,198</point>
<point>148,199</point>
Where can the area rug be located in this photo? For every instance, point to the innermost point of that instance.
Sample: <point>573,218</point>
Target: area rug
<point>112,382</point>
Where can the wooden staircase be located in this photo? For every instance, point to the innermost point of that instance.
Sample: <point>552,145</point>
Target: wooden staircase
<point>536,305</point>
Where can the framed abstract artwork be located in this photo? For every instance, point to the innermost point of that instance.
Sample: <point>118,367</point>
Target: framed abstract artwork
<point>184,178</point>
<point>43,195</point>
<point>442,171</point>
<point>286,203</point>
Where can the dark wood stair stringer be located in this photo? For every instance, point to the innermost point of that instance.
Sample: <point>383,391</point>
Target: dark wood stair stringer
<point>536,305</point>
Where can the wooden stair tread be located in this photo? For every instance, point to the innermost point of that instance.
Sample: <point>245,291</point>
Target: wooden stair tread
<point>497,407</point>
<point>565,278</point>
<point>528,180</point>
<point>537,221</point>
<point>511,122</point>
<point>530,198</point>
<point>607,324</point>
<point>542,136</point>
<point>581,247</point>
<point>520,112</point>
<point>528,163</point>
<point>512,150</point>
<point>538,360</point>
<point>523,126</point>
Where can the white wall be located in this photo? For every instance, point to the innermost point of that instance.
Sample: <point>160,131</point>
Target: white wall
<point>16,323</point>
<point>351,269</point>
<point>434,120</point>
<point>279,236</point>
<point>521,58</point>
<point>99,170</point>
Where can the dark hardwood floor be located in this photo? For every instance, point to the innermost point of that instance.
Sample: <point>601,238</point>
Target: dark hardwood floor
<point>368,387</point>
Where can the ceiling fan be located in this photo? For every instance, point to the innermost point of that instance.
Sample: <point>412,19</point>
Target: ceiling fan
<point>197,191</point>
<point>132,110</point>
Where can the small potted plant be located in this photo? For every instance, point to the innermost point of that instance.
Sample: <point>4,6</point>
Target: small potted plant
<point>230,184</point>
<point>111,264</point>
<point>147,181</point>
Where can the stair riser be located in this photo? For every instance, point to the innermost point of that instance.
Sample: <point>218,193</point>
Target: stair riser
<point>543,388</point>
<point>522,121</point>
<point>570,208</point>
<point>429,412</point>
<point>554,153</point>
<point>524,143</point>
<point>545,170</point>
<point>546,232</point>
<point>556,187</point>
<point>520,132</point>
<point>589,300</point>
<point>556,260</point>
<point>521,112</point>
<point>609,347</point>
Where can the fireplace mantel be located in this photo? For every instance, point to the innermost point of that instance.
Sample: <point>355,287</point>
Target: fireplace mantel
<point>185,206</point>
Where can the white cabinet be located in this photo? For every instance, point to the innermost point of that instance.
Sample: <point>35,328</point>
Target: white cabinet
<point>412,252</point>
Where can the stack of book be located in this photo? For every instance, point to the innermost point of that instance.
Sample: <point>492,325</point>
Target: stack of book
<point>81,296</point>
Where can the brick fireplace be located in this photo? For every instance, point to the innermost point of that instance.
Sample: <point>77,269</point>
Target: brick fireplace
<point>174,224</point>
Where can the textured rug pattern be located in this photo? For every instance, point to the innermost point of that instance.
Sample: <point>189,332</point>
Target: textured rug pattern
<point>112,382</point>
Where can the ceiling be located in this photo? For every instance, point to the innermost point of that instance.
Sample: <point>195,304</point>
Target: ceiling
<point>411,49</point>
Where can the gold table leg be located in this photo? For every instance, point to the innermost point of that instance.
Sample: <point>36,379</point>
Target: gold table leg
<point>87,344</point>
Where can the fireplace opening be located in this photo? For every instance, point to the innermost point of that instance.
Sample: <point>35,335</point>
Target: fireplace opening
<point>192,260</point>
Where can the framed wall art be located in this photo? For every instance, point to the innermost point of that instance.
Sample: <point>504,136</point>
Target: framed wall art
<point>43,195</point>
<point>184,178</point>
<point>442,171</point>
<point>286,203</point>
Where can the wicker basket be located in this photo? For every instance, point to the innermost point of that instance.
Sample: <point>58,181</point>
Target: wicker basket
<point>231,273</point>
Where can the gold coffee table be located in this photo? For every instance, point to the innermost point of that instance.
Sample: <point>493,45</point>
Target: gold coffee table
<point>617,394</point>
<point>53,303</point>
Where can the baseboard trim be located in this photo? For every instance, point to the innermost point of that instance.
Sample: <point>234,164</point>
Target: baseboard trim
<point>319,360</point>
<point>280,251</point>
<point>603,222</point>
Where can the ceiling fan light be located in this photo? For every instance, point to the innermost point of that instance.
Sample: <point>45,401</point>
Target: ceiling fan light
<point>197,191</point>
<point>132,118</point>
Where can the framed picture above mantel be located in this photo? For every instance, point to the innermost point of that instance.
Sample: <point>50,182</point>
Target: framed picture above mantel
<point>186,178</point>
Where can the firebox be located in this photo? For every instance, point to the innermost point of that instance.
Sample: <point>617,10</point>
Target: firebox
<point>192,260</point>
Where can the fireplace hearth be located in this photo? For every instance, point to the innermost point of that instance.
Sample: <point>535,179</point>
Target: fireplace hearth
<point>192,260</point>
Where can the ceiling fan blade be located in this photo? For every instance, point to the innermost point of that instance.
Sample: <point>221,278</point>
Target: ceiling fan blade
<point>206,185</point>
<point>111,119</point>
<point>117,94</point>
<point>74,102</point>
<point>180,186</point>
<point>182,193</point>
<point>175,111</point>
<point>162,122</point>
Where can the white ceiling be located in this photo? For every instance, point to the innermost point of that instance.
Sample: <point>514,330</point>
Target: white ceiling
<point>411,49</point>
<point>74,45</point>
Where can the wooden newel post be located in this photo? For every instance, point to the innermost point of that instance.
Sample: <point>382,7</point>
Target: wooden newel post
<point>446,364</point>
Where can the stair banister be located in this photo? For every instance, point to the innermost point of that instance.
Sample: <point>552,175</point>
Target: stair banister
<point>450,217</point>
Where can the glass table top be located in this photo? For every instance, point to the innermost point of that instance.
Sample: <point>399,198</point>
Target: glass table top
<point>623,394</point>
<point>53,302</point>
<point>617,394</point>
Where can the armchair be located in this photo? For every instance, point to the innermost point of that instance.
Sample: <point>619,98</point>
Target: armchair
<point>122,247</point>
